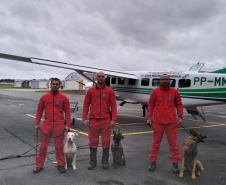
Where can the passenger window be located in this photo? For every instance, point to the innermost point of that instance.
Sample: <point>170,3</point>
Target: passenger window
<point>172,82</point>
<point>113,81</point>
<point>145,81</point>
<point>132,81</point>
<point>155,82</point>
<point>121,81</point>
<point>183,83</point>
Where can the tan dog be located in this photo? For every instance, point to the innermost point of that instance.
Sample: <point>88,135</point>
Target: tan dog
<point>70,150</point>
<point>189,154</point>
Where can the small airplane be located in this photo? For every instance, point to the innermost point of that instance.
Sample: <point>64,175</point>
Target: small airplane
<point>197,88</point>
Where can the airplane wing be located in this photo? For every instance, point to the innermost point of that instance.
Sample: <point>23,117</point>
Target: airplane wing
<point>78,68</point>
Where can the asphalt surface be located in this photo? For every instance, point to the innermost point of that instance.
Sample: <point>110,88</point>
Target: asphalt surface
<point>17,136</point>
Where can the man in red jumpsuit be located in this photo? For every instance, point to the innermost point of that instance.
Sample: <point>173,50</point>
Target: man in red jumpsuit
<point>54,103</point>
<point>102,117</point>
<point>163,101</point>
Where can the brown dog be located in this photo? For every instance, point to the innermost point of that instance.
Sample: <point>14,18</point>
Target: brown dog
<point>189,154</point>
<point>117,150</point>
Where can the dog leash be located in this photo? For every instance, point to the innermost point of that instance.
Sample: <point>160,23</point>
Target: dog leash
<point>186,130</point>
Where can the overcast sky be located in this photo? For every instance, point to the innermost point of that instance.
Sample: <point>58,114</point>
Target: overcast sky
<point>128,35</point>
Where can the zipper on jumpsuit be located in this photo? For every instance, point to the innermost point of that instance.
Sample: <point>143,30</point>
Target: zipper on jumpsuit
<point>100,105</point>
<point>164,96</point>
<point>53,107</point>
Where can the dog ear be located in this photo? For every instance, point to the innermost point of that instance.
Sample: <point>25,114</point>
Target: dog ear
<point>76,134</point>
<point>193,133</point>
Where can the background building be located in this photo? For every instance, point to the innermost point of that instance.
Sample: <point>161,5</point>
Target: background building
<point>40,84</point>
<point>18,83</point>
<point>74,81</point>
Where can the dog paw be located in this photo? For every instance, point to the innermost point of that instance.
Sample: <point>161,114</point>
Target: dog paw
<point>193,177</point>
<point>181,175</point>
<point>74,168</point>
<point>66,167</point>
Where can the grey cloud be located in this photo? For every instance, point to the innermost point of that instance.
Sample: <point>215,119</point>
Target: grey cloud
<point>121,35</point>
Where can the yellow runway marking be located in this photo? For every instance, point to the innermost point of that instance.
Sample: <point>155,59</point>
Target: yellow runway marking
<point>118,124</point>
<point>132,115</point>
<point>146,132</point>
<point>33,116</point>
<point>79,131</point>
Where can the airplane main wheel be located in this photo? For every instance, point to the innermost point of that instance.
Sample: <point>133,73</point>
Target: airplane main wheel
<point>73,121</point>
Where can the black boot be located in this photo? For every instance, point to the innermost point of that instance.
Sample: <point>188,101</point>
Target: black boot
<point>175,168</point>
<point>93,158</point>
<point>152,166</point>
<point>37,170</point>
<point>105,156</point>
<point>61,169</point>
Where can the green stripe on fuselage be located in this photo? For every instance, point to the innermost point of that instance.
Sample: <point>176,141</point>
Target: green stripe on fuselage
<point>218,94</point>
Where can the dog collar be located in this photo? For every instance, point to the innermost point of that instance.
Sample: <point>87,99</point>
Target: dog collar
<point>194,141</point>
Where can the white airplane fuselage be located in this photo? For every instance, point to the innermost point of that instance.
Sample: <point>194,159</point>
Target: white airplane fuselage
<point>196,89</point>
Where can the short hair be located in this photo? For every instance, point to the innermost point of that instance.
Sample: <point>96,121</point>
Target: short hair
<point>55,79</point>
<point>100,72</point>
<point>163,75</point>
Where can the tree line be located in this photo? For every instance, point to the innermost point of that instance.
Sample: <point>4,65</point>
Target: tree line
<point>7,80</point>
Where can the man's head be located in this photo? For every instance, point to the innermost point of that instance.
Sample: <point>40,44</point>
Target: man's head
<point>165,81</point>
<point>100,78</point>
<point>55,84</point>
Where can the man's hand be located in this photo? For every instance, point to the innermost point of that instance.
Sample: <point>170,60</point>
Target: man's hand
<point>112,123</point>
<point>149,122</point>
<point>37,127</point>
<point>180,121</point>
<point>85,123</point>
<point>66,128</point>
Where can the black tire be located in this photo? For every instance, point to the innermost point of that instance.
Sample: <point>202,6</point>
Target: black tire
<point>73,121</point>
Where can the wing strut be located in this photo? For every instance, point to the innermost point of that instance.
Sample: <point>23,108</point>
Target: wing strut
<point>195,112</point>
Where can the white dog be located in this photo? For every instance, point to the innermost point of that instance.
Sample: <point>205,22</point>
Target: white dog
<point>70,150</point>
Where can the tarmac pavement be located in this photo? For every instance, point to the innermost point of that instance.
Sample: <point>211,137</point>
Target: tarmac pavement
<point>17,136</point>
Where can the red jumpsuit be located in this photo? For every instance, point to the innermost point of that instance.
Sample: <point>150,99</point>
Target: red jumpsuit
<point>54,105</point>
<point>164,102</point>
<point>102,101</point>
